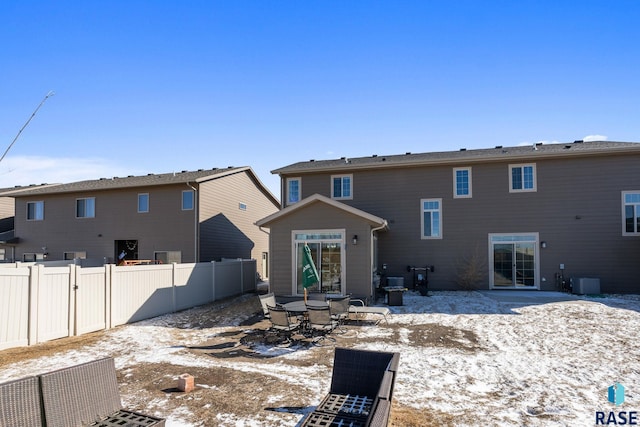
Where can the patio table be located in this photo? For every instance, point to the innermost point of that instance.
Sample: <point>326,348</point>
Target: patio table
<point>299,307</point>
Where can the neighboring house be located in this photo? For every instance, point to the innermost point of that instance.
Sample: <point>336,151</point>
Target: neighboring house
<point>521,217</point>
<point>191,216</point>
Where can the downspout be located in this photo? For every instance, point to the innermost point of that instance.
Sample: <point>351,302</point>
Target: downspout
<point>373,230</point>
<point>195,223</point>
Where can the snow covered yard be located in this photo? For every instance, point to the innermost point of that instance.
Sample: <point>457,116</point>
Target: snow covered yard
<point>467,358</point>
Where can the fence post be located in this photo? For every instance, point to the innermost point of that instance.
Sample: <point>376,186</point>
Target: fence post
<point>174,275</point>
<point>108,295</point>
<point>213,280</point>
<point>73,313</point>
<point>241,276</point>
<point>34,285</point>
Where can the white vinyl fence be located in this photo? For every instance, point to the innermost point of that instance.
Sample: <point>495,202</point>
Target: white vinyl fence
<point>40,303</point>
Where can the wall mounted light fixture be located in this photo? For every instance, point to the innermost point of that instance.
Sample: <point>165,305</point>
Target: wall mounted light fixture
<point>355,239</point>
<point>543,245</point>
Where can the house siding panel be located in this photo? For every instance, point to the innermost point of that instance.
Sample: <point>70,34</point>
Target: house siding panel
<point>576,210</point>
<point>228,231</point>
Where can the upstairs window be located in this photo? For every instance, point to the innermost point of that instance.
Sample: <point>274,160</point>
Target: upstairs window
<point>461,182</point>
<point>341,187</point>
<point>522,178</point>
<point>187,200</point>
<point>631,213</point>
<point>293,190</point>
<point>143,202</point>
<point>86,208</point>
<point>35,211</point>
<point>431,218</point>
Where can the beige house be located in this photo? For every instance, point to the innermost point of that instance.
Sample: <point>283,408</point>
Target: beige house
<point>525,217</point>
<point>190,216</point>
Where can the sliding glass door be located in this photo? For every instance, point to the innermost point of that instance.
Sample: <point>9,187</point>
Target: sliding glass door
<point>327,251</point>
<point>514,261</point>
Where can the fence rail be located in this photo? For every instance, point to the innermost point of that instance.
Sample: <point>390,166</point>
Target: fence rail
<point>39,303</point>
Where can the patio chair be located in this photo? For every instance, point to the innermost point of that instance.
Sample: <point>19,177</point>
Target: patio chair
<point>317,296</point>
<point>339,307</point>
<point>267,300</point>
<point>320,321</point>
<point>282,323</point>
<point>20,403</point>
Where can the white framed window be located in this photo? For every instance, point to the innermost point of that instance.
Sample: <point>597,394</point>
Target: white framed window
<point>187,200</point>
<point>631,213</point>
<point>86,208</point>
<point>35,211</point>
<point>461,183</point>
<point>431,221</point>
<point>143,202</point>
<point>294,190</point>
<point>522,178</point>
<point>242,206</point>
<point>342,186</point>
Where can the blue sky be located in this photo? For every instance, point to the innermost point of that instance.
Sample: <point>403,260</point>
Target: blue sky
<point>162,86</point>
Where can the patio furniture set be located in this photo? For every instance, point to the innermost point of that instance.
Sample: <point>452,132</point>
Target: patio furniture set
<point>81,395</point>
<point>314,318</point>
<point>361,390</point>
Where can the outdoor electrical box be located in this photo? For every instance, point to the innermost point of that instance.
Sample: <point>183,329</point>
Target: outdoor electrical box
<point>585,285</point>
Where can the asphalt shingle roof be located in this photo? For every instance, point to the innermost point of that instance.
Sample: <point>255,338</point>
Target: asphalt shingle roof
<point>531,151</point>
<point>124,182</point>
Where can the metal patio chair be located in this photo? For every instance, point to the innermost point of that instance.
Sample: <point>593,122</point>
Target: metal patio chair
<point>320,322</point>
<point>267,300</point>
<point>339,307</point>
<point>282,323</point>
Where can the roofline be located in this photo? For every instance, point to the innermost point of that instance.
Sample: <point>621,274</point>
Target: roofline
<point>323,199</point>
<point>503,155</point>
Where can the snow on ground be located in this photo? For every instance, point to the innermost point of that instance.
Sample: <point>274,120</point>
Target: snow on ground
<point>507,361</point>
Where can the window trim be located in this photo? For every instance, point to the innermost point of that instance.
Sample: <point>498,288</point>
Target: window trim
<point>85,208</point>
<point>422,212</point>
<point>624,205</point>
<point>341,177</point>
<point>36,203</point>
<point>193,200</point>
<point>455,183</point>
<point>522,166</point>
<point>288,189</point>
<point>148,198</point>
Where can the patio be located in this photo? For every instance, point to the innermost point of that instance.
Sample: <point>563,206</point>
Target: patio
<point>465,358</point>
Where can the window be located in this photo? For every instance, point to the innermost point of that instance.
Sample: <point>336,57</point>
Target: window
<point>143,202</point>
<point>35,211</point>
<point>73,255</point>
<point>293,190</point>
<point>341,187</point>
<point>431,218</point>
<point>242,206</point>
<point>168,257</point>
<point>461,182</point>
<point>29,257</point>
<point>631,213</point>
<point>187,200</point>
<point>86,208</point>
<point>522,178</point>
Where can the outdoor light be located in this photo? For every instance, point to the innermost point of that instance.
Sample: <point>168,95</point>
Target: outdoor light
<point>543,245</point>
<point>355,239</point>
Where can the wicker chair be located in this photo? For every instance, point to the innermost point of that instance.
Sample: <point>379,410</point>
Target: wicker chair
<point>20,403</point>
<point>361,390</point>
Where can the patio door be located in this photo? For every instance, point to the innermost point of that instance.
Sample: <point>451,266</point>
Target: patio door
<point>327,251</point>
<point>513,261</point>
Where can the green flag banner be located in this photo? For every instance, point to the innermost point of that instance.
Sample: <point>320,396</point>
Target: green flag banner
<point>309,273</point>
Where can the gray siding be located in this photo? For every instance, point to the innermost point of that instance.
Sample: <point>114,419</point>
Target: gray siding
<point>164,227</point>
<point>228,231</point>
<point>576,210</point>
<point>321,216</point>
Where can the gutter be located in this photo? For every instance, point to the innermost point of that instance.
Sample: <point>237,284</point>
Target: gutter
<point>196,258</point>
